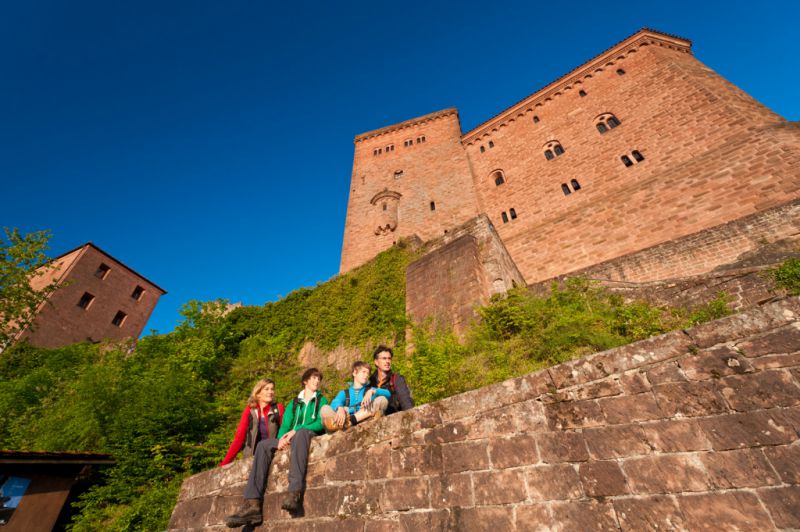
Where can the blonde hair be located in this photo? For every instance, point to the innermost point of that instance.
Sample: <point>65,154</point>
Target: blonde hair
<point>252,401</point>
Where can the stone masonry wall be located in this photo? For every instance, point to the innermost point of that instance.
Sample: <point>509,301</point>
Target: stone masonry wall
<point>692,430</point>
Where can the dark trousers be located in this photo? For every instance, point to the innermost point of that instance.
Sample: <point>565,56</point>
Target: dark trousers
<point>298,463</point>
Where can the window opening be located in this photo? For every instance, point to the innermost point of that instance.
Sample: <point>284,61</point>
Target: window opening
<point>565,189</point>
<point>582,93</point>
<point>558,149</point>
<point>620,72</point>
<point>504,216</point>
<point>86,300</point>
<point>638,156</point>
<point>119,318</point>
<point>606,123</point>
<point>102,271</point>
<point>491,144</point>
<point>499,179</point>
<point>384,206</point>
<point>548,155</point>
<point>137,293</point>
<point>513,213</point>
<point>535,119</point>
<point>433,205</point>
<point>575,185</point>
<point>483,149</point>
<point>601,127</point>
<point>613,122</point>
<point>626,160</point>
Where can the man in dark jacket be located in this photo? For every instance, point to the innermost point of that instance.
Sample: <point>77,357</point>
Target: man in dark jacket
<point>383,377</point>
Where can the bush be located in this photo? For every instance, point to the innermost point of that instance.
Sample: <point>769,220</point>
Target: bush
<point>787,276</point>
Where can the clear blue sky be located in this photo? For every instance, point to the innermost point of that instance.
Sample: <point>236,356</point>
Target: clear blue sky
<point>208,144</point>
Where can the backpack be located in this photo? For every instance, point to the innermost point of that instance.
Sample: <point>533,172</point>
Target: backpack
<point>347,395</point>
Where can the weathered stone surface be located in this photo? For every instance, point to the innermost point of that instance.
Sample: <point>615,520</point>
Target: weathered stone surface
<point>783,504</point>
<point>574,414</point>
<point>750,429</point>
<point>782,340</point>
<point>606,388</point>
<point>763,390</point>
<point>640,407</point>
<point>448,491</point>
<point>744,468</point>
<point>743,325</point>
<point>533,517</point>
<point>191,512</point>
<point>465,456</point>
<point>715,363</point>
<point>499,487</point>
<point>634,382</point>
<point>656,513</point>
<point>405,493</point>
<point>321,501</point>
<point>664,373</point>
<point>676,436</point>
<point>776,361</point>
<point>416,461</point>
<point>554,482</point>
<point>735,510</point>
<point>430,521</point>
<point>480,519</point>
<point>602,479</point>
<point>379,461</point>
<point>348,466</point>
<point>558,447</point>
<point>786,461</point>
<point>513,451</point>
<point>689,399</point>
<point>665,474</point>
<point>616,442</point>
<point>584,515</point>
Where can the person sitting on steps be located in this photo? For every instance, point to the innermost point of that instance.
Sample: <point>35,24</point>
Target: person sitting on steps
<point>355,404</point>
<point>260,420</point>
<point>300,423</point>
<point>383,378</point>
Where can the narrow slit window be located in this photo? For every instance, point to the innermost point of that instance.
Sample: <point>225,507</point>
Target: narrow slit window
<point>137,293</point>
<point>504,216</point>
<point>483,149</point>
<point>102,271</point>
<point>513,213</point>
<point>384,206</point>
<point>626,160</point>
<point>433,205</point>
<point>558,149</point>
<point>86,300</point>
<point>491,144</point>
<point>575,185</point>
<point>548,155</point>
<point>119,318</point>
<point>565,189</point>
<point>601,127</point>
<point>638,156</point>
<point>613,122</point>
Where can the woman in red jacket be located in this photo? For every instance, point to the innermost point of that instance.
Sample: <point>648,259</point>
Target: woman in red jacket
<point>261,419</point>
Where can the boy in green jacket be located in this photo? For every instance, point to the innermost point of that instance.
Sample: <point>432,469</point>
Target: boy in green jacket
<point>301,422</point>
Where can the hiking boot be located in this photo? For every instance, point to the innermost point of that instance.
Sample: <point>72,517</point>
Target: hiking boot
<point>249,514</point>
<point>330,425</point>
<point>292,501</point>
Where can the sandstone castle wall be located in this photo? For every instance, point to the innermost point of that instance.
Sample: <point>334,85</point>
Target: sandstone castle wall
<point>711,155</point>
<point>692,430</point>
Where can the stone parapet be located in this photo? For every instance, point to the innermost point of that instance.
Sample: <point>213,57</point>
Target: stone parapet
<point>695,429</point>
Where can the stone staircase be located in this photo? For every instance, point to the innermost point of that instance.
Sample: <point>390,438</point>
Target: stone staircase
<point>691,430</point>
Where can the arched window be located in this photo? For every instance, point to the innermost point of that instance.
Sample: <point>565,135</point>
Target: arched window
<point>491,144</point>
<point>575,185</point>
<point>606,122</point>
<point>582,93</point>
<point>626,160</point>
<point>620,72</point>
<point>483,149</point>
<point>535,119</point>
<point>565,189</point>
<point>638,156</point>
<point>553,149</point>
<point>504,216</point>
<point>513,213</point>
<point>499,177</point>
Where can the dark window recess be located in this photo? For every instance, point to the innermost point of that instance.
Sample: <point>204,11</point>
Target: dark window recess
<point>565,189</point>
<point>513,214</point>
<point>398,174</point>
<point>483,149</point>
<point>575,185</point>
<point>102,271</point>
<point>606,122</point>
<point>504,216</point>
<point>119,318</point>
<point>582,93</point>
<point>421,139</point>
<point>137,293</point>
<point>535,119</point>
<point>548,154</point>
<point>86,300</point>
<point>433,205</point>
<point>638,156</point>
<point>620,72</point>
<point>601,127</point>
<point>491,144</point>
<point>384,206</point>
<point>389,148</point>
<point>498,178</point>
<point>558,149</point>
<point>626,160</point>
<point>408,143</point>
<point>612,121</point>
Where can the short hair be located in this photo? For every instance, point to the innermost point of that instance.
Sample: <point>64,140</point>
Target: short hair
<point>358,364</point>
<point>310,372</point>
<point>380,349</point>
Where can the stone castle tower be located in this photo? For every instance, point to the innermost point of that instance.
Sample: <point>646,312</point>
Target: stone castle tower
<point>640,146</point>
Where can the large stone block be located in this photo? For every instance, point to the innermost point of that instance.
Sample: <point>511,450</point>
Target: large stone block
<point>665,474</point>
<point>655,513</point>
<point>783,504</point>
<point>743,468</point>
<point>750,429</point>
<point>602,479</point>
<point>616,442</point>
<point>734,510</point>
<point>763,390</point>
<point>553,482</point>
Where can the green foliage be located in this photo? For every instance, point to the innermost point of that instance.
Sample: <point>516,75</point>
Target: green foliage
<point>787,276</point>
<point>21,261</point>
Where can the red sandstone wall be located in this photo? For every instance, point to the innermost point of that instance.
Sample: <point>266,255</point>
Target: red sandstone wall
<point>694,430</point>
<point>61,321</point>
<point>436,170</point>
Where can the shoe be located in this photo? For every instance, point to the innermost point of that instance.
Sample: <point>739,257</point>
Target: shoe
<point>292,501</point>
<point>330,425</point>
<point>249,514</point>
<point>377,414</point>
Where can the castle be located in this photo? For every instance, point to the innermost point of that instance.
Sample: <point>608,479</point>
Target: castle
<point>599,171</point>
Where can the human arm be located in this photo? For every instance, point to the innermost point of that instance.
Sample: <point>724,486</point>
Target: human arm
<point>238,438</point>
<point>403,393</point>
<point>286,421</point>
<point>338,401</point>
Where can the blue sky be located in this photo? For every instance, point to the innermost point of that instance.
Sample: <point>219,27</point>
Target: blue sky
<point>208,145</point>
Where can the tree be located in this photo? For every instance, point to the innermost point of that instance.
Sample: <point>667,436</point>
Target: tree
<point>22,260</point>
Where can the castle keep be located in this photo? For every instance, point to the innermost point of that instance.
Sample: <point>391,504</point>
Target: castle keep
<point>639,147</point>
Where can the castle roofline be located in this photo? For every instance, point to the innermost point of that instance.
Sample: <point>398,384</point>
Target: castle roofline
<point>90,244</point>
<point>643,37</point>
<point>407,123</point>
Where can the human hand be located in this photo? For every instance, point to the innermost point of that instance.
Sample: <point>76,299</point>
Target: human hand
<point>367,398</point>
<point>341,415</point>
<point>286,440</point>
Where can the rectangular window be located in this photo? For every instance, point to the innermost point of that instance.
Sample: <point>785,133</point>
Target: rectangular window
<point>119,319</point>
<point>504,216</point>
<point>102,271</point>
<point>138,292</point>
<point>86,300</point>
